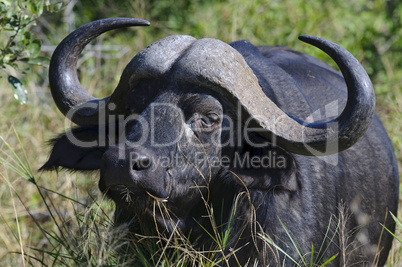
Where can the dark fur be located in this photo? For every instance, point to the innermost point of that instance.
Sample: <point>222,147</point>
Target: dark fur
<point>308,196</point>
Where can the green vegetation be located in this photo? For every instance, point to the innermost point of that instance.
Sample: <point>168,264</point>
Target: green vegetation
<point>17,46</point>
<point>61,218</point>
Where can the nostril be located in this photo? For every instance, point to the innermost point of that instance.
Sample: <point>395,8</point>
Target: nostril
<point>142,163</point>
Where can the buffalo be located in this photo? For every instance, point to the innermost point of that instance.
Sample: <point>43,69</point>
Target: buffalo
<point>282,147</point>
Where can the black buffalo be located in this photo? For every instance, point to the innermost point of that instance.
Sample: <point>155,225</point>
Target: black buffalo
<point>279,144</point>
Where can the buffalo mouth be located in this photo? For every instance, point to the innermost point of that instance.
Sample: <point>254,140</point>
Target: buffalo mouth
<point>159,199</point>
<point>129,194</point>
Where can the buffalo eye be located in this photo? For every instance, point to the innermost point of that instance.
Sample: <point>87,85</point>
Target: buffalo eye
<point>204,122</point>
<point>209,120</point>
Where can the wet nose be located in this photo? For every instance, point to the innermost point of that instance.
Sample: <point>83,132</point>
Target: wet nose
<point>133,168</point>
<point>125,166</point>
<point>140,161</point>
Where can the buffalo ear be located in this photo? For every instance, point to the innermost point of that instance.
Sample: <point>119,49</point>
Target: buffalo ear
<point>266,168</point>
<point>77,149</point>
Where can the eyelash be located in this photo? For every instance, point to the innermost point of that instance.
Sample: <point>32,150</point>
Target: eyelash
<point>207,120</point>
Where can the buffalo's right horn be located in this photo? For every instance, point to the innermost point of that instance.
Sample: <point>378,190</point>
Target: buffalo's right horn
<point>71,99</point>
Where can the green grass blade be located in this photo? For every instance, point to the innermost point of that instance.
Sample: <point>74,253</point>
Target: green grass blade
<point>228,230</point>
<point>330,259</point>
<point>26,171</point>
<point>391,233</point>
<point>326,236</point>
<point>206,231</point>
<point>28,165</point>
<point>312,254</point>
<point>63,196</point>
<point>398,223</point>
<point>295,245</point>
<point>396,220</point>
<point>278,248</point>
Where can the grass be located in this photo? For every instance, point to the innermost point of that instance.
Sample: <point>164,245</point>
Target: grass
<point>85,235</point>
<point>61,219</point>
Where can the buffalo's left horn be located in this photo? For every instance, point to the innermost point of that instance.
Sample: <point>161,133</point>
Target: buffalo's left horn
<point>231,78</point>
<point>71,99</point>
<point>332,136</point>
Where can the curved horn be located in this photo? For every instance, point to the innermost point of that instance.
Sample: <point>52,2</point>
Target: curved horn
<point>341,133</point>
<point>65,87</point>
<point>233,80</point>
